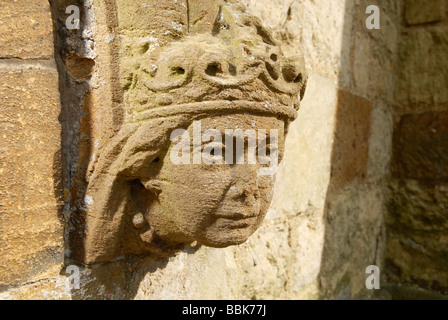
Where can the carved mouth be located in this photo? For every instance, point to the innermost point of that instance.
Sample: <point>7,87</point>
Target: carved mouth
<point>236,216</point>
<point>237,223</point>
<point>237,220</point>
<point>239,213</point>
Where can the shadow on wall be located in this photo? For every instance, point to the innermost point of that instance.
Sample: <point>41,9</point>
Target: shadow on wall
<point>354,211</point>
<point>75,68</point>
<point>417,222</point>
<point>387,101</point>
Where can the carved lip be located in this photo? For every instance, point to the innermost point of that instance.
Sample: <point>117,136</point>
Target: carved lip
<point>236,216</point>
<point>238,212</point>
<point>237,221</point>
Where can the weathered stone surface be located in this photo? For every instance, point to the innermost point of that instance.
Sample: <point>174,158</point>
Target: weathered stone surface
<point>422,70</point>
<point>79,68</point>
<point>258,269</point>
<point>296,253</point>
<point>421,11</point>
<point>31,229</point>
<point>354,239</point>
<point>417,220</point>
<point>27,29</point>
<point>49,285</point>
<point>421,147</point>
<point>417,243</point>
<point>373,52</point>
<point>419,258</point>
<point>380,143</point>
<point>351,141</point>
<point>154,17</point>
<point>419,207</point>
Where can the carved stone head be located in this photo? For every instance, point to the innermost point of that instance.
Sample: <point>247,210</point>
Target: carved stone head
<point>152,189</point>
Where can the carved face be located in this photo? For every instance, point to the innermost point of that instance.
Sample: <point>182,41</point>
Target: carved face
<point>215,204</point>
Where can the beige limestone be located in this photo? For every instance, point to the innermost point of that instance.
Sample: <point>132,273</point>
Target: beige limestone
<point>26,28</point>
<point>319,234</point>
<point>292,254</point>
<point>309,136</point>
<point>31,228</point>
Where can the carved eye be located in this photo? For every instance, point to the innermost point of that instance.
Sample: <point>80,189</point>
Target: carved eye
<point>213,148</point>
<point>211,153</point>
<point>274,57</point>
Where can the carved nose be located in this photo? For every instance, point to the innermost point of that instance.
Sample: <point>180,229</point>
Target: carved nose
<point>246,197</point>
<point>245,190</point>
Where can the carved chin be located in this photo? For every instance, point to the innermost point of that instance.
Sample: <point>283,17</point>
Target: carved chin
<point>230,239</point>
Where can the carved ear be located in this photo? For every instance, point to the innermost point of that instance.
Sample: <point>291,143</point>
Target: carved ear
<point>147,144</point>
<point>141,149</point>
<point>153,185</point>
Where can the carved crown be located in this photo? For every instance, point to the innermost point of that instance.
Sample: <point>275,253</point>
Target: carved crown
<point>237,67</point>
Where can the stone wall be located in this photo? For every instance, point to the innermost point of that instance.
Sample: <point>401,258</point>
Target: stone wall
<point>325,225</point>
<point>31,224</point>
<point>417,221</point>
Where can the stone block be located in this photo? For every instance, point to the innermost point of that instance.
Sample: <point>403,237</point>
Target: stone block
<point>418,207</point>
<point>421,11</point>
<point>27,29</point>
<point>419,259</point>
<point>351,139</point>
<point>421,147</point>
<point>30,174</point>
<point>422,70</point>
